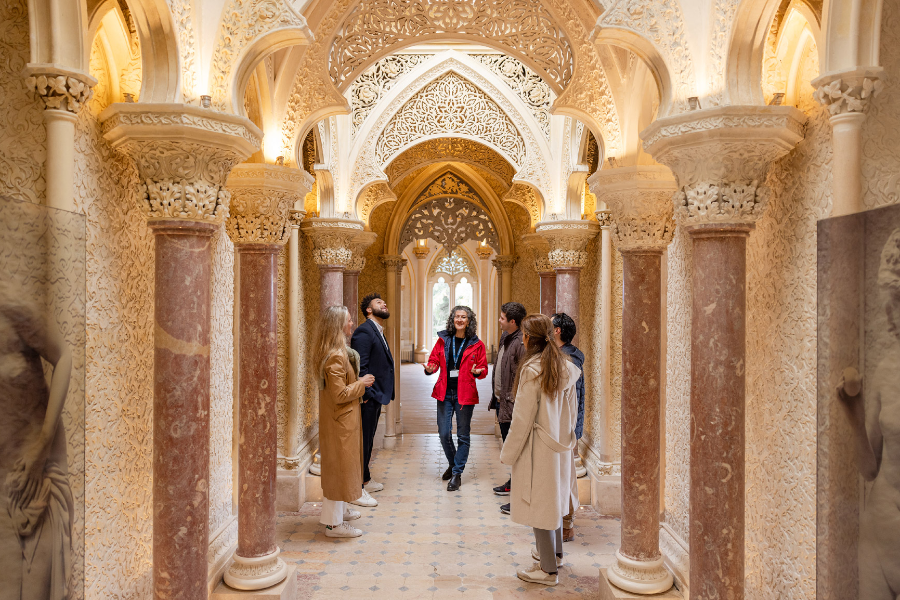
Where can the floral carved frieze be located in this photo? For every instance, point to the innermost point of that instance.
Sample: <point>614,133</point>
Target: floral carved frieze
<point>60,89</point>
<point>450,184</point>
<point>262,197</point>
<point>847,92</point>
<point>449,221</point>
<point>525,27</point>
<point>183,154</point>
<point>568,241</point>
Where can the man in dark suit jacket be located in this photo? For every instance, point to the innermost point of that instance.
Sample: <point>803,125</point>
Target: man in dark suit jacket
<point>374,358</point>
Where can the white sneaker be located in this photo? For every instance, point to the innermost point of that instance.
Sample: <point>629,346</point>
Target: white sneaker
<point>350,514</point>
<point>374,486</point>
<point>536,575</point>
<point>537,557</point>
<point>342,531</point>
<point>365,500</point>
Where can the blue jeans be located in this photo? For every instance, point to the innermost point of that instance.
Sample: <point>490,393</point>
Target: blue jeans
<point>457,457</point>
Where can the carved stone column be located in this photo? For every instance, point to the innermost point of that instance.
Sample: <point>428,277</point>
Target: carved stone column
<point>642,228</point>
<point>568,241</point>
<point>333,251</point>
<point>504,265</point>
<point>420,296</point>
<point>604,219</point>
<point>485,319</point>
<point>184,155</point>
<point>393,264</point>
<point>538,248</point>
<point>259,226</point>
<point>846,95</point>
<point>358,246</point>
<point>63,92</point>
<point>719,157</point>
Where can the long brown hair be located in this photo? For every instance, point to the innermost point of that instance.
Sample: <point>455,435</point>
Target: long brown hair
<point>330,336</point>
<point>539,329</point>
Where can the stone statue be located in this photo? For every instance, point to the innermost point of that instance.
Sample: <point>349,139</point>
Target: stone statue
<point>875,416</point>
<point>36,503</point>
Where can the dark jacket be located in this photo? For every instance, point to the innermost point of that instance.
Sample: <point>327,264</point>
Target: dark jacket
<point>507,373</point>
<point>473,357</point>
<point>577,358</point>
<point>374,358</point>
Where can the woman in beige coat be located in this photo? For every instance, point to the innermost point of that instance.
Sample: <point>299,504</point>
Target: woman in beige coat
<point>340,422</point>
<point>539,446</point>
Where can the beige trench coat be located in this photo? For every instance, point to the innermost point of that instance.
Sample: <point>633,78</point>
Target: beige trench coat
<point>539,449</point>
<point>340,430</point>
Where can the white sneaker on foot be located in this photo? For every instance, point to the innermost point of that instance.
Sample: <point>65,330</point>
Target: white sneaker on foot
<point>350,514</point>
<point>374,486</point>
<point>342,531</point>
<point>536,575</point>
<point>537,557</point>
<point>365,500</point>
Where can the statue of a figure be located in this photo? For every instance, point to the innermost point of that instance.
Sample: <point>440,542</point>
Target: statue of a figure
<point>36,504</point>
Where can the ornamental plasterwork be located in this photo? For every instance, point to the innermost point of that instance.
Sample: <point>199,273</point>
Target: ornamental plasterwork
<point>527,85</point>
<point>60,89</point>
<point>332,240</point>
<point>731,202</point>
<point>722,23</point>
<point>367,89</point>
<point>451,105</point>
<point>449,222</point>
<point>452,263</point>
<point>524,26</point>
<point>449,184</point>
<point>183,19</point>
<point>527,198</point>
<point>847,94</point>
<point>567,241</point>
<point>243,22</point>
<point>505,262</point>
<point>451,149</point>
<point>262,197</point>
<point>642,219</point>
<point>375,195</point>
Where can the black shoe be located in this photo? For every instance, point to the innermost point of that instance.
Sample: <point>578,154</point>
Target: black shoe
<point>455,482</point>
<point>505,509</point>
<point>448,473</point>
<point>503,490</point>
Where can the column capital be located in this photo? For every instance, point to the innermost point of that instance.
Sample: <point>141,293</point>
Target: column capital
<point>640,207</point>
<point>848,91</point>
<point>567,241</point>
<point>719,157</point>
<point>538,248</point>
<point>358,246</point>
<point>261,199</point>
<point>60,88</point>
<point>504,262</point>
<point>184,155</point>
<point>484,252</point>
<point>393,263</point>
<point>295,217</point>
<point>332,240</point>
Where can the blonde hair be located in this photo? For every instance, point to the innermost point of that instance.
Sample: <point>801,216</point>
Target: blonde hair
<point>330,336</point>
<point>539,329</point>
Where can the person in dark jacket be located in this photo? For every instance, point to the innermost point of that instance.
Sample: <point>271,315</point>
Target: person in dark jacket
<point>461,359</point>
<point>505,368</point>
<point>564,332</point>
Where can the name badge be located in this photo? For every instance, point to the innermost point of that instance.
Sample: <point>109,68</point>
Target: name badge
<point>454,373</point>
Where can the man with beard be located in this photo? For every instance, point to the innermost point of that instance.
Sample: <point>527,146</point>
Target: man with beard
<point>374,358</point>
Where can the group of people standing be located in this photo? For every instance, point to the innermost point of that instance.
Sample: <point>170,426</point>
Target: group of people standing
<point>537,389</point>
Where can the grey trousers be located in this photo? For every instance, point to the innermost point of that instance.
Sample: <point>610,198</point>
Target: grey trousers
<point>549,546</point>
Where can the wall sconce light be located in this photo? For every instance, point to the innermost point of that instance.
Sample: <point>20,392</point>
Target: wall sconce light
<point>279,161</point>
<point>694,103</point>
<point>612,162</point>
<point>777,99</point>
<point>129,98</point>
<point>205,101</point>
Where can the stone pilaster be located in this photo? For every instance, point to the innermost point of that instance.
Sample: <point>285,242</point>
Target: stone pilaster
<point>184,155</point>
<point>333,245</point>
<point>393,264</point>
<point>719,158</point>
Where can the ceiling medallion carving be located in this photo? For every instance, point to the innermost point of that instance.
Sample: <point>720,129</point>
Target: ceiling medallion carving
<point>450,105</point>
<point>527,84</point>
<point>523,26</point>
<point>450,222</point>
<point>455,149</point>
<point>375,82</point>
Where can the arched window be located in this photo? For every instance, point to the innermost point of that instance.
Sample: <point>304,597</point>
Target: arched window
<point>464,293</point>
<point>440,306</point>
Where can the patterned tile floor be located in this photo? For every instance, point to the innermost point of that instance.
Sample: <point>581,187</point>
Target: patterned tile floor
<point>424,542</point>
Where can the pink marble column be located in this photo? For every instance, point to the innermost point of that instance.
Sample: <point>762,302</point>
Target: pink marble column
<point>548,292</point>
<point>181,408</point>
<point>331,291</point>
<point>351,293</point>
<point>717,410</point>
<point>568,280</point>
<point>257,552</point>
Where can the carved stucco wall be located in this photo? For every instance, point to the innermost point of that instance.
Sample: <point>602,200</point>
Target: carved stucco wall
<point>374,277</point>
<point>310,309</point>
<point>526,288</point>
<point>22,134</point>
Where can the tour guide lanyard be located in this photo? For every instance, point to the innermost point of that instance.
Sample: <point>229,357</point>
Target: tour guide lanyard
<point>454,356</point>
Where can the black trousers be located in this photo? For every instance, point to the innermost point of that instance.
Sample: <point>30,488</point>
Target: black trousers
<point>504,430</point>
<point>371,411</point>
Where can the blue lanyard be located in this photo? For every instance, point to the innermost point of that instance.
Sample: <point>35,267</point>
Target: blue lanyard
<point>454,355</point>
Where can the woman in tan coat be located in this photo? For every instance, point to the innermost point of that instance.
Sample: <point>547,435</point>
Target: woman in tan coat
<point>539,446</point>
<point>340,422</point>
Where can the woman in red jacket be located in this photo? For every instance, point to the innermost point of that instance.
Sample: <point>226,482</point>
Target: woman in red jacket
<point>460,357</point>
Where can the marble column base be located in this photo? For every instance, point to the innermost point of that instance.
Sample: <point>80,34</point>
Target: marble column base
<point>286,590</point>
<point>638,576</point>
<point>316,467</point>
<point>256,573</point>
<point>608,591</point>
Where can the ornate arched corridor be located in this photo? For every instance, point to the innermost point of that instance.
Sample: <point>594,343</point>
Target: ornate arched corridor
<point>707,187</point>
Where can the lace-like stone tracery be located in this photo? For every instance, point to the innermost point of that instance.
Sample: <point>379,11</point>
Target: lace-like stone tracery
<point>371,86</point>
<point>527,84</point>
<point>451,105</point>
<point>452,263</point>
<point>450,222</point>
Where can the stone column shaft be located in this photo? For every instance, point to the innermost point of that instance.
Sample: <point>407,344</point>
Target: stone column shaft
<point>548,293</point>
<point>394,266</point>
<point>294,362</point>
<point>351,293</point>
<point>420,297</point>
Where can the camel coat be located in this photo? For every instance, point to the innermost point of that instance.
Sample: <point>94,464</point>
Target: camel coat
<point>539,449</point>
<point>340,430</point>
